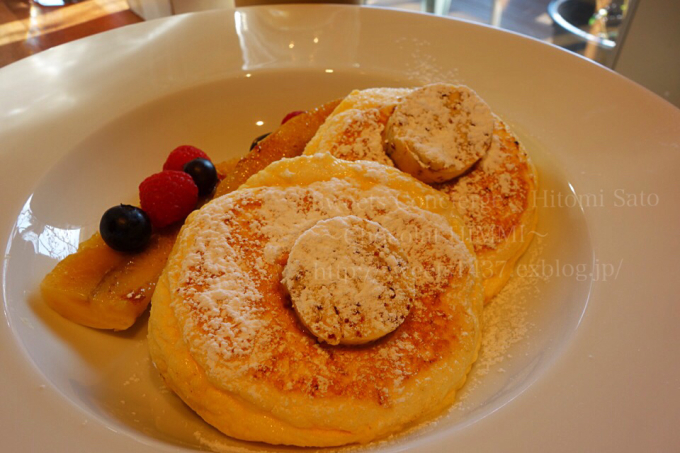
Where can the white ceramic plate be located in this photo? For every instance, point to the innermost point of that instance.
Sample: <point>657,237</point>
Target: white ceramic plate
<point>585,356</point>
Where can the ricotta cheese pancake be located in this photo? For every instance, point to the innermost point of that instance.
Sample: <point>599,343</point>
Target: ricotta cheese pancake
<point>355,128</point>
<point>231,330</point>
<point>447,136</point>
<point>495,200</point>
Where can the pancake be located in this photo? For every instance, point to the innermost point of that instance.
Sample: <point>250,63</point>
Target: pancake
<point>495,200</point>
<point>355,128</point>
<point>225,338</point>
<point>494,196</point>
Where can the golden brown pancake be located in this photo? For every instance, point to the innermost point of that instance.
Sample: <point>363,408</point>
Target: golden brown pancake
<point>225,338</point>
<point>495,200</point>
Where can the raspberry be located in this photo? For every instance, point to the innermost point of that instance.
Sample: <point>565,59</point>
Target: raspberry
<point>181,155</point>
<point>291,115</point>
<point>168,197</point>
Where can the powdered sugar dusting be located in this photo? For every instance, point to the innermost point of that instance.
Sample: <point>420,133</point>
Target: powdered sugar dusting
<point>422,66</point>
<point>294,211</point>
<point>219,298</point>
<point>433,265</point>
<point>355,134</point>
<point>505,324</point>
<point>494,195</point>
<point>235,317</point>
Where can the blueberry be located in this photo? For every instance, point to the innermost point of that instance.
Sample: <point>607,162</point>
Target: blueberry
<point>125,228</point>
<point>203,173</point>
<point>258,140</point>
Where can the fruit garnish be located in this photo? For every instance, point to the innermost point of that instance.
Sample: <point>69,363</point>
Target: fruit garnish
<point>181,155</point>
<point>125,228</point>
<point>258,140</point>
<point>204,174</point>
<point>168,197</point>
<point>288,140</point>
<point>105,289</point>
<point>291,115</point>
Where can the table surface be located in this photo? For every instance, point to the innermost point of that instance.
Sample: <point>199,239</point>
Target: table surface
<point>27,28</point>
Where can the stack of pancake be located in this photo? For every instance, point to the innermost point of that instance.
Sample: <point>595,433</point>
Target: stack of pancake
<point>336,297</point>
<point>332,291</point>
<point>493,195</point>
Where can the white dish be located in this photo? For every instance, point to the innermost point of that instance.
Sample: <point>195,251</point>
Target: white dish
<point>82,124</point>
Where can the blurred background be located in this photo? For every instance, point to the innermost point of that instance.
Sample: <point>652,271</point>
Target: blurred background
<point>638,38</point>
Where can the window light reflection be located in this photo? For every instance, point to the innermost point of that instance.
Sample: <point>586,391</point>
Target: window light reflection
<point>47,240</point>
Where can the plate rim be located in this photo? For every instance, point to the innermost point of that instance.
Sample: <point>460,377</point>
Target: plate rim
<point>6,329</point>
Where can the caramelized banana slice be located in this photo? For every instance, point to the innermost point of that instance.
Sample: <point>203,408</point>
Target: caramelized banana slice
<point>289,140</point>
<point>105,289</point>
